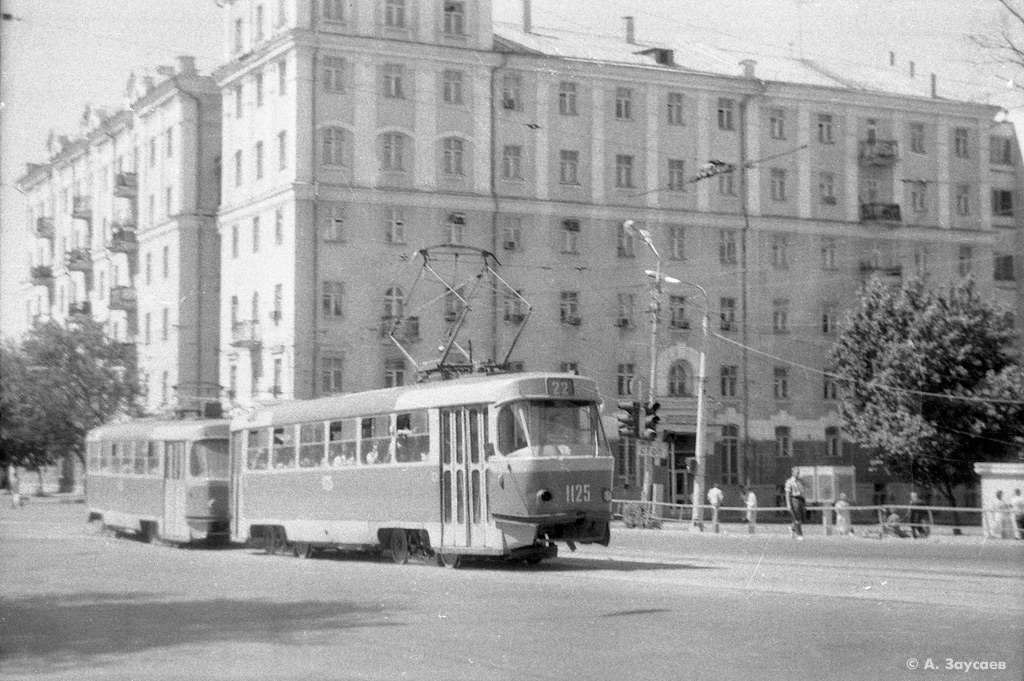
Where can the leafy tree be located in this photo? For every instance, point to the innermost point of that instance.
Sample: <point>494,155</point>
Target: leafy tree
<point>930,383</point>
<point>60,383</point>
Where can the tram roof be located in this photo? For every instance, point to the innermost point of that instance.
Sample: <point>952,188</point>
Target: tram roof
<point>470,390</point>
<point>161,429</point>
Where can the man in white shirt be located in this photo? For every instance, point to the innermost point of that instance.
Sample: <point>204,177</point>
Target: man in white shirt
<point>795,504</point>
<point>715,497</point>
<point>1017,503</point>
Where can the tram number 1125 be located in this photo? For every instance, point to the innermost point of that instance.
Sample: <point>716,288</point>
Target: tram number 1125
<point>577,493</point>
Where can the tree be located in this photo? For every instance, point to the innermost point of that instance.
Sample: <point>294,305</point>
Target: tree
<point>58,384</point>
<point>930,383</point>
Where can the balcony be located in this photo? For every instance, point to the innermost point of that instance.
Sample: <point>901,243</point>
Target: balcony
<point>126,185</point>
<point>123,298</point>
<point>41,275</point>
<point>869,269</point>
<point>78,260</point>
<point>246,335</point>
<point>44,228</point>
<point>80,309</point>
<point>880,212</point>
<point>123,240</point>
<point>81,208</point>
<point>882,153</point>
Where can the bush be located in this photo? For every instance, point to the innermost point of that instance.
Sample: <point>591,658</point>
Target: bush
<point>639,515</point>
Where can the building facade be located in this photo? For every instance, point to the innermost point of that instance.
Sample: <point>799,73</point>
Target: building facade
<point>122,222</point>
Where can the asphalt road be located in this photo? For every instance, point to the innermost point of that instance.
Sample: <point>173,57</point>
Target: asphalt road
<point>655,605</point>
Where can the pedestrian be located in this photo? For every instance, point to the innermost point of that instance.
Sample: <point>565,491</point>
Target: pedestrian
<point>794,489</point>
<point>17,500</point>
<point>918,524</point>
<point>1017,503</point>
<point>750,501</point>
<point>715,497</point>
<point>843,525</point>
<point>1001,523</point>
<point>892,524</point>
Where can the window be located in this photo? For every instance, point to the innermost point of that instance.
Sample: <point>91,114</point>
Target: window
<point>259,160</point>
<point>728,377</point>
<point>454,304</point>
<point>149,266</point>
<point>394,13</point>
<point>826,129</point>
<point>392,152</point>
<point>333,297</point>
<point>234,241</point>
<point>256,234</point>
<point>393,81</point>
<point>454,228</point>
<point>727,314</point>
<point>239,102</point>
<point>394,373</point>
<point>780,315</point>
<point>511,93</point>
<point>512,233</point>
<point>778,184</point>
<point>965,256</point>
<point>676,175</point>
<point>777,123</point>
<point>677,312</point>
<point>238,168</point>
<point>169,201</point>
<point>333,10</point>
<point>625,375</point>
<point>1000,151</point>
<point>451,86</point>
<point>829,388</point>
<point>780,252</point>
<point>1002,202</point>
<point>829,319</point>
<point>454,18</point>
<point>276,389</point>
<point>394,225</point>
<point>330,375</point>
<point>626,303</point>
<point>567,99</point>
<point>780,383</point>
<point>833,442</point>
<point>726,114</point>
<point>623,104</point>
<point>258,82</point>
<point>1003,267</point>
<point>275,315</point>
<point>569,308</point>
<point>729,454</point>
<point>676,242</point>
<point>147,325</point>
<point>675,108</point>
<point>511,162</point>
<point>624,239</point>
<point>727,246</point>
<point>165,324</point>
<point>334,222</point>
<point>872,130</point>
<point>282,77</point>
<point>961,142</point>
<point>727,184</point>
<point>679,380</point>
<point>334,74</point>
<point>783,442</point>
<point>963,199</point>
<point>394,303</point>
<point>169,143</point>
<point>827,188</point>
<point>282,150</point>
<point>453,149</point>
<point>279,226</point>
<point>570,235</point>
<point>921,261</point>
<point>255,307</point>
<point>919,197</point>
<point>234,311</point>
<point>568,166</point>
<point>624,171</point>
<point>917,138</point>
<point>333,147</point>
<point>167,262</point>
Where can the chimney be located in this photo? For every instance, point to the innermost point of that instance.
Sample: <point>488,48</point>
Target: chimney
<point>748,68</point>
<point>892,58</point>
<point>527,18</point>
<point>187,65</point>
<point>911,69</point>
<point>630,31</point>
<point>935,86</point>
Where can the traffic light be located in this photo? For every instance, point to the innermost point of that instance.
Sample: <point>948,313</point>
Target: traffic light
<point>651,420</point>
<point>629,419</point>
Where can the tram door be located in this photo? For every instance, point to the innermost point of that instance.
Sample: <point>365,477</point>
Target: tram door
<point>175,492</point>
<point>463,498</point>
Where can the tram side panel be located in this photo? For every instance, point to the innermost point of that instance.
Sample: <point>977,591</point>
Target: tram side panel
<point>124,502</point>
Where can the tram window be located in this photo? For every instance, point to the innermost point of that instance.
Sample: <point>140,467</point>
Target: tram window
<point>127,458</point>
<point>412,437</point>
<point>474,435</point>
<point>446,437</point>
<point>152,458</point>
<point>209,460</point>
<point>115,457</point>
<point>258,449</point>
<point>311,445</point>
<point>341,449</point>
<point>104,457</point>
<point>511,431</point>
<point>375,440</point>
<point>284,447</point>
<point>549,428</point>
<point>140,457</point>
<point>474,492</point>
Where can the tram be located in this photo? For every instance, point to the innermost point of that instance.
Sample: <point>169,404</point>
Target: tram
<point>503,466</point>
<point>165,480</point>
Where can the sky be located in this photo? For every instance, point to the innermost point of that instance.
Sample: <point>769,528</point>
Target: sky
<point>56,56</point>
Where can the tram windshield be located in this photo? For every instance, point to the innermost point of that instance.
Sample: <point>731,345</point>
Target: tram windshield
<point>209,460</point>
<point>536,428</point>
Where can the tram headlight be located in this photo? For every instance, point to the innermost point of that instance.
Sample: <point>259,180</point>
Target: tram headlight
<point>606,494</point>
<point>543,495</point>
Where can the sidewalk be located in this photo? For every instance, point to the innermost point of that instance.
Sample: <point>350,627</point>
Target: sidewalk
<point>47,498</point>
<point>817,531</point>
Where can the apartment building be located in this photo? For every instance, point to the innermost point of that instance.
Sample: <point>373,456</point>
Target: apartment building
<point>122,222</point>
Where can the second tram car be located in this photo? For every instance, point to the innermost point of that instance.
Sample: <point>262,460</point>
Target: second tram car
<point>162,479</point>
<point>502,466</point>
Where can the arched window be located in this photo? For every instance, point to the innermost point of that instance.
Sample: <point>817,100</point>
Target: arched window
<point>334,142</point>
<point>453,150</point>
<point>394,303</point>
<point>679,380</point>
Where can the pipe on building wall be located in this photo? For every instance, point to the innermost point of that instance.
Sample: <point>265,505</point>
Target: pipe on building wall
<point>494,197</point>
<point>314,353</point>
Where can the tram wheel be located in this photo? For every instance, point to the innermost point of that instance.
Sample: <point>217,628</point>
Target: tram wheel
<point>302,549</point>
<point>452,561</point>
<point>275,541</point>
<point>150,534</point>
<point>399,547</point>
<point>534,560</point>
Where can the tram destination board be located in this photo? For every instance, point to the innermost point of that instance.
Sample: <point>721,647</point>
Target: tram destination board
<point>561,387</point>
